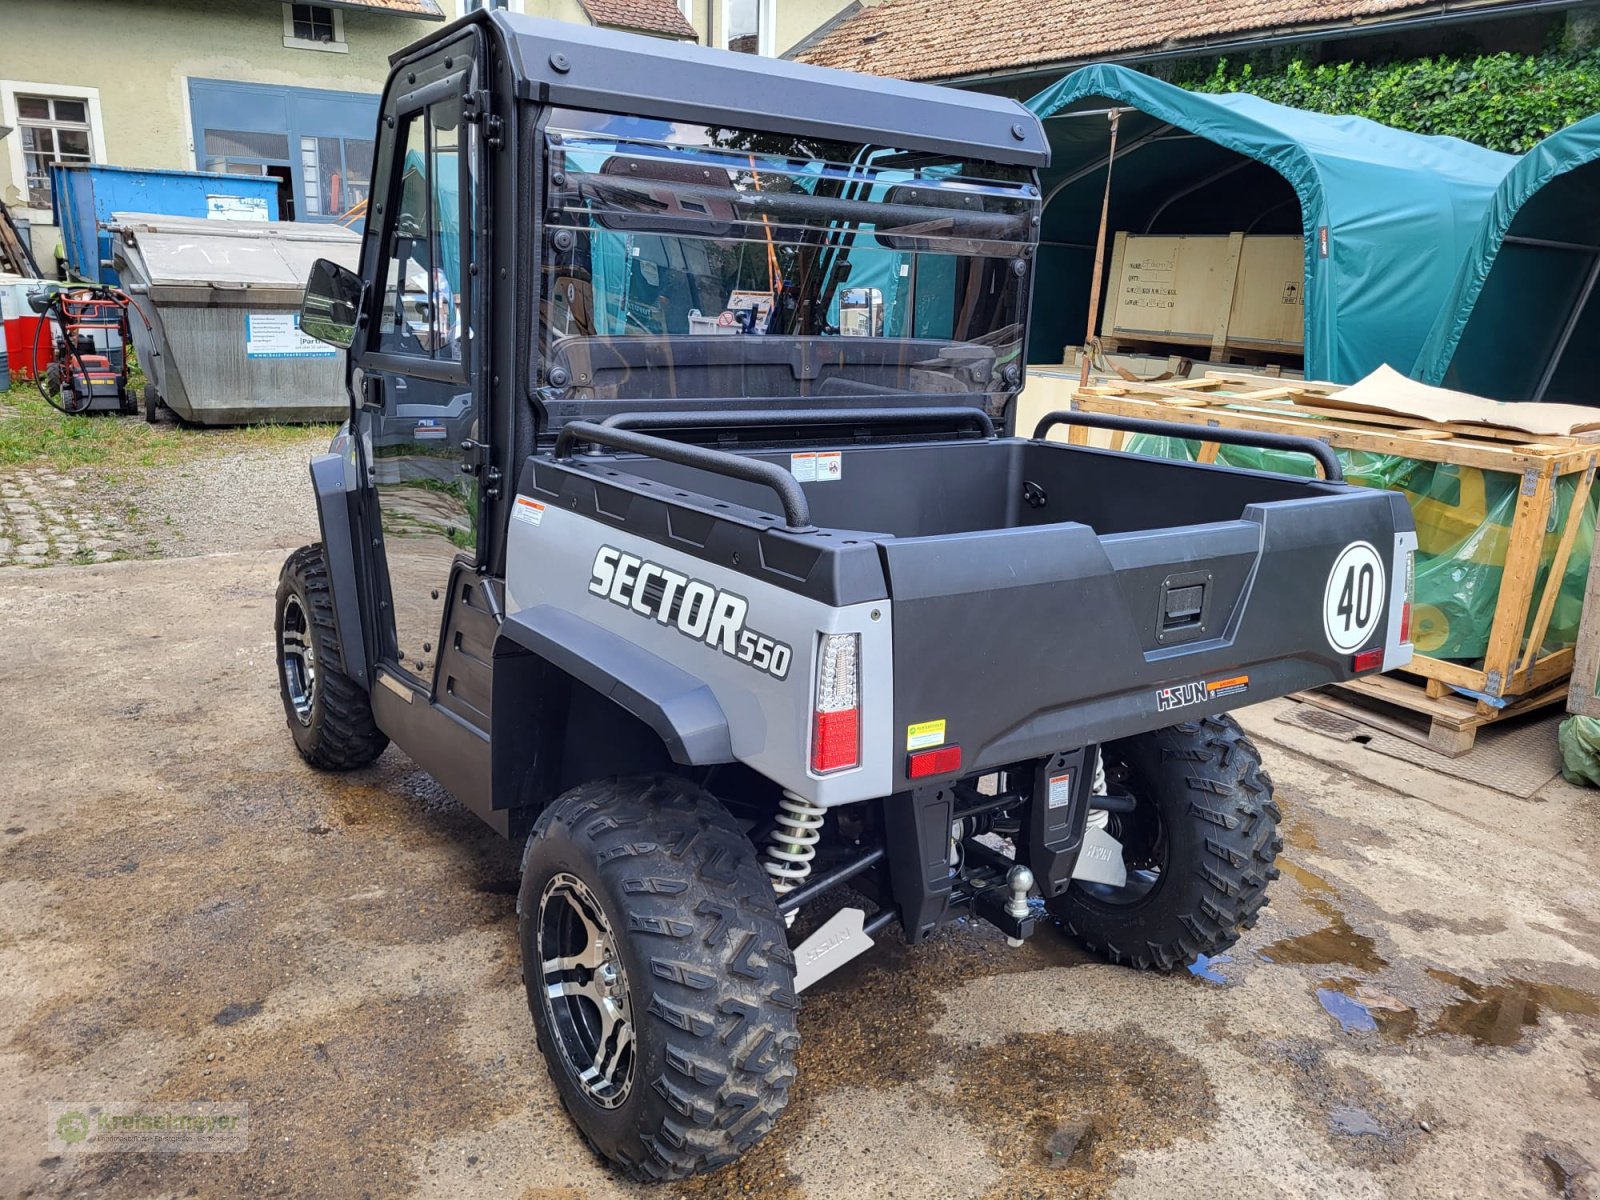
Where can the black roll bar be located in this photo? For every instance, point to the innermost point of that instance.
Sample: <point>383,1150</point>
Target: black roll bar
<point>804,416</point>
<point>1260,439</point>
<point>796,512</point>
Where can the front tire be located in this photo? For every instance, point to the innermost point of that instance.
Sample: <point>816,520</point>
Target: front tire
<point>1199,846</point>
<point>658,974</point>
<point>330,714</point>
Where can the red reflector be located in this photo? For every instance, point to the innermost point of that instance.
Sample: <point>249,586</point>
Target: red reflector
<point>835,740</point>
<point>1405,621</point>
<point>933,762</point>
<point>1367,660</point>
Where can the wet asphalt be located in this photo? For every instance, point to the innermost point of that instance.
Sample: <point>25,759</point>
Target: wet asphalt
<point>188,913</point>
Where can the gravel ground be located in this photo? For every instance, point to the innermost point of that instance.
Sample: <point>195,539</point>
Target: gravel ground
<point>189,913</point>
<point>210,504</point>
<point>247,500</point>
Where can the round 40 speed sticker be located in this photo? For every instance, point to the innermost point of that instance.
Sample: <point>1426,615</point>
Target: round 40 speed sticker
<point>1353,601</point>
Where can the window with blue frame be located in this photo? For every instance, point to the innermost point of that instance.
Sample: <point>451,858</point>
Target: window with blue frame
<point>316,143</point>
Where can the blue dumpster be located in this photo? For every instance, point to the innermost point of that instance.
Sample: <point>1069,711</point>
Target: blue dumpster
<point>85,195</point>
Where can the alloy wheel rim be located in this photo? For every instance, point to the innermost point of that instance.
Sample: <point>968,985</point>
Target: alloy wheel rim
<point>299,659</point>
<point>585,991</point>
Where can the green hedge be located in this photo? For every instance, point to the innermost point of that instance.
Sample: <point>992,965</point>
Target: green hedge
<point>1502,101</point>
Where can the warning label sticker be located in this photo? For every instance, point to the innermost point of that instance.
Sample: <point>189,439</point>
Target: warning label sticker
<point>817,466</point>
<point>1060,794</point>
<point>924,734</point>
<point>528,511</point>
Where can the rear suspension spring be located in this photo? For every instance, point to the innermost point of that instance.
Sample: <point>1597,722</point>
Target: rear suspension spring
<point>792,845</point>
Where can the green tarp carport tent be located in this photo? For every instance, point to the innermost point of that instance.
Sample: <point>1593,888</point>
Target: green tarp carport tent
<point>1398,210</point>
<point>1521,305</point>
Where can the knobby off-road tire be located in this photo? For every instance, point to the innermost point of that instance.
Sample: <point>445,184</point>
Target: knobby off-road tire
<point>1218,841</point>
<point>698,963</point>
<point>330,714</point>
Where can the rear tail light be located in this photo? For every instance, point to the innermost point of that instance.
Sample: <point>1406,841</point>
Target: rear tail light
<point>836,713</point>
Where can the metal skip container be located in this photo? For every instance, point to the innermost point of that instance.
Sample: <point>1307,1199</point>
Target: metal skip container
<point>223,345</point>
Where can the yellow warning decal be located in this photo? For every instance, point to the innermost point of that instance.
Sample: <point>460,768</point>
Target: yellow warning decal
<point>924,734</point>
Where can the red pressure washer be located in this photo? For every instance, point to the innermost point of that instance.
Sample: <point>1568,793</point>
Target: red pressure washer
<point>88,371</point>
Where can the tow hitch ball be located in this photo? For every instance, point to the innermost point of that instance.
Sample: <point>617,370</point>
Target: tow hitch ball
<point>1020,880</point>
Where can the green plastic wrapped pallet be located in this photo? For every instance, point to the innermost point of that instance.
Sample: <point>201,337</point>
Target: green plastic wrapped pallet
<point>1463,517</point>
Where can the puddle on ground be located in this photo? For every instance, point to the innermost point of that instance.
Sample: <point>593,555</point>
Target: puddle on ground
<point>1364,1008</point>
<point>1489,1014</point>
<point>1352,1015</point>
<point>1354,1121</point>
<point>1204,967</point>
<point>1336,942</point>
<point>1497,1014</point>
<point>1309,880</point>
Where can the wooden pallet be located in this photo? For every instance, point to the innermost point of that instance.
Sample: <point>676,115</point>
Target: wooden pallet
<point>1448,724</point>
<point>1246,353</point>
<point>1514,664</point>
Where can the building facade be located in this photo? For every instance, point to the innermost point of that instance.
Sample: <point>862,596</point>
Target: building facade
<point>264,87</point>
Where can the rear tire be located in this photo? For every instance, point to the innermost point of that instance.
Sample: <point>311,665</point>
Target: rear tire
<point>1206,819</point>
<point>330,714</point>
<point>152,404</point>
<point>672,1046</point>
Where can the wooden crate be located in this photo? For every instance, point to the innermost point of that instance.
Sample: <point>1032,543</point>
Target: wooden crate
<point>1229,293</point>
<point>1513,665</point>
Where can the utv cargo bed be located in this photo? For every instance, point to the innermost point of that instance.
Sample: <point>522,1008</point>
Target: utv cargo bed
<point>1042,595</point>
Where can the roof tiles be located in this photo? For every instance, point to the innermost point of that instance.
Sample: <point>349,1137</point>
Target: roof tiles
<point>429,10</point>
<point>645,16</point>
<point>940,39</point>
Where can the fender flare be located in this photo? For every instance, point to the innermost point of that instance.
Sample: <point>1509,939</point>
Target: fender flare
<point>335,514</point>
<point>681,709</point>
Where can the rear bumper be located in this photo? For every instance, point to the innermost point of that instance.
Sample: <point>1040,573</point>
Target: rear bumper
<point>1023,642</point>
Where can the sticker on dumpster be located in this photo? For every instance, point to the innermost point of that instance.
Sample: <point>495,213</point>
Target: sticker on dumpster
<point>237,208</point>
<point>277,335</point>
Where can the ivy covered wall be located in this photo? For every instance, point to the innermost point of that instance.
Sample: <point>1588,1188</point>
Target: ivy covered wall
<point>1504,101</point>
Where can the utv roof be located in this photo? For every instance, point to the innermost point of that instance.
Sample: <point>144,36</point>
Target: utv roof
<point>580,66</point>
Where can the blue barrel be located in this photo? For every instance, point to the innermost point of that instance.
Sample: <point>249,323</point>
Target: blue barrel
<point>85,195</point>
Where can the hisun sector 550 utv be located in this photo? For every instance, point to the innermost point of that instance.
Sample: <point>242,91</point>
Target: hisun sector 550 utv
<point>679,530</point>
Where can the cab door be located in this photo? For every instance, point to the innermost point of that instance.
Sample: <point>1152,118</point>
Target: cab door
<point>420,409</point>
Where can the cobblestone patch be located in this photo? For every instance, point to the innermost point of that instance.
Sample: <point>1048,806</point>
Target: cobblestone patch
<point>46,520</point>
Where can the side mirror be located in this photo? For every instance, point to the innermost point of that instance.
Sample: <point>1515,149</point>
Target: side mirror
<point>332,304</point>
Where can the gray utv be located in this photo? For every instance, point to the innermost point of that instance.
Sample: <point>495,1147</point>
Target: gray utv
<point>680,530</point>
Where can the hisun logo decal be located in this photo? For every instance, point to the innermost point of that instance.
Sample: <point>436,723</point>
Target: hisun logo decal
<point>1181,695</point>
<point>698,609</point>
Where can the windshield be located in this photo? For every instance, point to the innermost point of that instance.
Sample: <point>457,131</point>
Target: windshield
<point>690,263</point>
